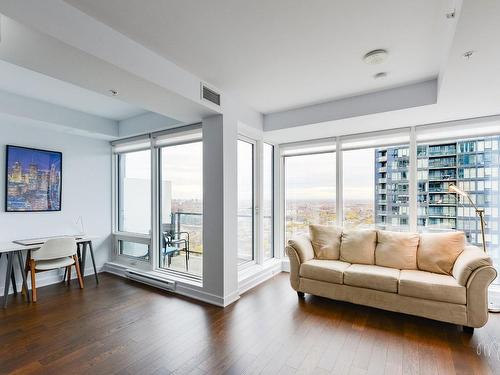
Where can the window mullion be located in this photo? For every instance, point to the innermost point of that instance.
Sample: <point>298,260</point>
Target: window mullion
<point>413,181</point>
<point>339,203</point>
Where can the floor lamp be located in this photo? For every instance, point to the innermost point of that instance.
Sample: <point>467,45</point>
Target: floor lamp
<point>492,307</point>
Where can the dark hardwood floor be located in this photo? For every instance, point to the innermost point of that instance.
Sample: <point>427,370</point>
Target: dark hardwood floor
<point>126,328</point>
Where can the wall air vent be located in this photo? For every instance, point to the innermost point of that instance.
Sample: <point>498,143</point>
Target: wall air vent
<point>210,95</point>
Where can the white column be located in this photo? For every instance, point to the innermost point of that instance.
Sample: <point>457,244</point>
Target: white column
<point>220,201</point>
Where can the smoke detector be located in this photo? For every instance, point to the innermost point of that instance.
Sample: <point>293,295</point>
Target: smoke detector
<point>377,56</point>
<point>467,55</point>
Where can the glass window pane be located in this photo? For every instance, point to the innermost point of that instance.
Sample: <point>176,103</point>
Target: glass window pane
<point>134,192</point>
<point>267,203</point>
<point>309,192</point>
<point>182,208</point>
<point>245,201</point>
<point>134,249</point>
<point>462,162</point>
<point>359,187</point>
<point>376,187</point>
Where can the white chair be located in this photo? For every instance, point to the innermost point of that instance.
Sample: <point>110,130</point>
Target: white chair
<point>54,253</point>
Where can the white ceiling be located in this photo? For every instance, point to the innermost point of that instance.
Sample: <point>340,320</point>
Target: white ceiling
<point>25,82</point>
<point>283,54</point>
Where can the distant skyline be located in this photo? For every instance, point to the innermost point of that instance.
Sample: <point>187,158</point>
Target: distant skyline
<point>313,176</point>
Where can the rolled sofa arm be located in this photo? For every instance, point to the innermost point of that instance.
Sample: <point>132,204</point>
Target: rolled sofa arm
<point>468,261</point>
<point>299,250</point>
<point>477,295</point>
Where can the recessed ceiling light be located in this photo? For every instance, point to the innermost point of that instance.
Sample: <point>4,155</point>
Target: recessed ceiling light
<point>376,56</point>
<point>451,14</point>
<point>380,75</point>
<point>113,92</point>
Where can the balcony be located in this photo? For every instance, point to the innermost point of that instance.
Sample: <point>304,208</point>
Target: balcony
<point>442,176</point>
<point>382,169</point>
<point>382,191</point>
<point>442,165</point>
<point>382,180</point>
<point>442,151</point>
<point>382,159</point>
<point>182,244</point>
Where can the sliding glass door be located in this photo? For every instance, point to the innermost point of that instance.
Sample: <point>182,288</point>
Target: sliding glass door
<point>181,207</point>
<point>246,196</point>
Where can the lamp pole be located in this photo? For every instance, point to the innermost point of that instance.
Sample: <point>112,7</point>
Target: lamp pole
<point>492,306</point>
<point>480,212</point>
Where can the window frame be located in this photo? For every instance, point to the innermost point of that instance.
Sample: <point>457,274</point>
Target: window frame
<point>257,249</point>
<point>272,182</point>
<point>120,235</point>
<point>158,217</point>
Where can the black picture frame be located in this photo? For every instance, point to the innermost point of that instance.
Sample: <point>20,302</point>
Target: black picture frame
<point>58,154</point>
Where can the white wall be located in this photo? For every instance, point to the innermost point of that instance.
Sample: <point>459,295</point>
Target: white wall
<point>86,192</point>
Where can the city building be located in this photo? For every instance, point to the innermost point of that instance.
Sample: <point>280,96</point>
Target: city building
<point>472,165</point>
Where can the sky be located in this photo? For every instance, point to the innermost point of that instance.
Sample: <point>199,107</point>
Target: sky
<point>43,159</point>
<point>313,176</point>
<point>307,177</point>
<point>181,164</point>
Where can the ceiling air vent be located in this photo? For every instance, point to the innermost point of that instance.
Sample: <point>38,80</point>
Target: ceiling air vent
<point>210,95</point>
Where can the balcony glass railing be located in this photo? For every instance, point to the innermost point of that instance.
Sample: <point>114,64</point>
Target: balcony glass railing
<point>449,175</point>
<point>182,243</point>
<point>442,150</point>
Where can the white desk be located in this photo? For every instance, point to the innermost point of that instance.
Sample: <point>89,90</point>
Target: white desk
<point>13,250</point>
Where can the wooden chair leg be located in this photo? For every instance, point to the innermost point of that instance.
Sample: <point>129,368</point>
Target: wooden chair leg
<point>33,281</point>
<point>69,274</point>
<point>78,273</point>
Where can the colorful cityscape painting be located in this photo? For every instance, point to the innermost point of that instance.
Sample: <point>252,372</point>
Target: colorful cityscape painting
<point>34,180</point>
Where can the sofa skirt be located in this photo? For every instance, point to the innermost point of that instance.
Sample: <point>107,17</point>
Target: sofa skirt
<point>442,311</point>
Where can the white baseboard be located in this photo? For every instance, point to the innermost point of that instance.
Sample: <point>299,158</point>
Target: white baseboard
<point>285,265</point>
<point>181,288</point>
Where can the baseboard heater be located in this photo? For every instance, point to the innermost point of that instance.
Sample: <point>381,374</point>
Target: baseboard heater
<point>150,280</point>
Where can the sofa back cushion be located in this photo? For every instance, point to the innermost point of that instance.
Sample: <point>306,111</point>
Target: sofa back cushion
<point>397,250</point>
<point>358,246</point>
<point>325,241</point>
<point>437,252</point>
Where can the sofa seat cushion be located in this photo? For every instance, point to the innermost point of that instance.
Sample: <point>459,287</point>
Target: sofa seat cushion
<point>433,286</point>
<point>331,271</point>
<point>372,277</point>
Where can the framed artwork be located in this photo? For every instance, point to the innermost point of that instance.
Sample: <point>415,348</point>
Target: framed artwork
<point>33,180</point>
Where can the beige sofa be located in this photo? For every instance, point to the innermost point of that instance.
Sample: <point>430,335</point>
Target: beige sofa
<point>433,275</point>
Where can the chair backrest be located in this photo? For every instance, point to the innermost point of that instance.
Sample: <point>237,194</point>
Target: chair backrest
<point>55,248</point>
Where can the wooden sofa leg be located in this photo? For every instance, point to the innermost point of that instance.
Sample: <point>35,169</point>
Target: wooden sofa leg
<point>469,330</point>
<point>301,295</point>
